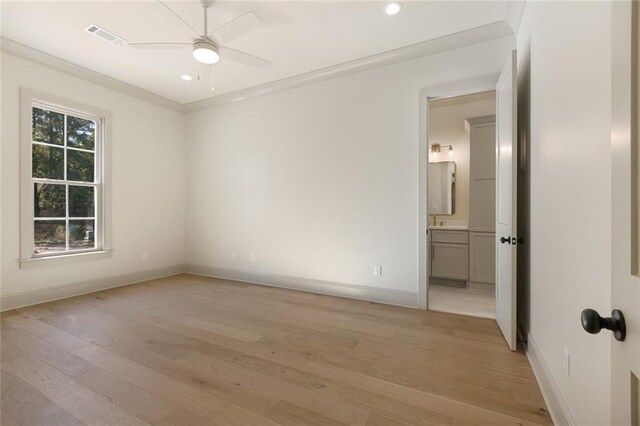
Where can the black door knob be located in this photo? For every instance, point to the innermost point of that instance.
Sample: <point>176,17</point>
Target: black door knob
<point>505,240</point>
<point>592,323</point>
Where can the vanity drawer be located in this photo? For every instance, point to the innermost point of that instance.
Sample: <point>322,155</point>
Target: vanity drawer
<point>447,236</point>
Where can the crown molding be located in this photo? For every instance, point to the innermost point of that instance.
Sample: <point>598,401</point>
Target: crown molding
<point>494,31</point>
<point>23,51</point>
<point>464,99</point>
<point>515,10</point>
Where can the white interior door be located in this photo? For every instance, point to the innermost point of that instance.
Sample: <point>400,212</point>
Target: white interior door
<point>506,200</point>
<point>625,277</point>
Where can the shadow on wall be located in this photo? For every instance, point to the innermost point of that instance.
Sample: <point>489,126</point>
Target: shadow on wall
<point>524,196</point>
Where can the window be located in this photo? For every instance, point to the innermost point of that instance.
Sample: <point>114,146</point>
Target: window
<point>63,195</point>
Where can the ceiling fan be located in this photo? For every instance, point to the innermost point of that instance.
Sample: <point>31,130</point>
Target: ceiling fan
<point>208,47</point>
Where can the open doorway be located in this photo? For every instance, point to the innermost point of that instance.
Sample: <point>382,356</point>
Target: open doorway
<point>461,204</point>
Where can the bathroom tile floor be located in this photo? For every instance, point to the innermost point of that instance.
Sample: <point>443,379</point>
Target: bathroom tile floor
<point>476,302</point>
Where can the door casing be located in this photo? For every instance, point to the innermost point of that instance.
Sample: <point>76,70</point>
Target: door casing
<point>459,88</point>
<point>625,213</point>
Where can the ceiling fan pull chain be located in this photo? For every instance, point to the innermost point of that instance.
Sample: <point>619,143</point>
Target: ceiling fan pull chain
<point>212,77</point>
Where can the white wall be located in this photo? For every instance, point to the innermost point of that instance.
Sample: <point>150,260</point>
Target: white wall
<point>320,182</point>
<point>148,180</point>
<point>447,127</point>
<point>570,195</point>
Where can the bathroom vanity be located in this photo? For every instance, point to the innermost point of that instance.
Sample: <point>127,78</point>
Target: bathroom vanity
<point>460,255</point>
<point>449,248</point>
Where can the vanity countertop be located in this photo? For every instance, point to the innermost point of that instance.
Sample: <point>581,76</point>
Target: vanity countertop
<point>449,227</point>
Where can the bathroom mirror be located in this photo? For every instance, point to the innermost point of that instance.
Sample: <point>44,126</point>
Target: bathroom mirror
<point>442,183</point>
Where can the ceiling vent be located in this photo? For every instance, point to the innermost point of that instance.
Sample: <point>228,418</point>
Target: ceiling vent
<point>105,35</point>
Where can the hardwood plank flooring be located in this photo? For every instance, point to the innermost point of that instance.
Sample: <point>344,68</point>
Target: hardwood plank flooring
<point>190,350</point>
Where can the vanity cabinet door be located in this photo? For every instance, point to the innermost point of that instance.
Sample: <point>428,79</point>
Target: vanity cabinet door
<point>450,261</point>
<point>482,165</point>
<point>482,147</point>
<point>482,205</point>
<point>482,264</point>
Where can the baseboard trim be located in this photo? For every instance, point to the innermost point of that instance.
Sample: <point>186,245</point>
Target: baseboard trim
<point>558,409</point>
<point>350,291</point>
<point>475,285</point>
<point>446,282</point>
<point>28,298</point>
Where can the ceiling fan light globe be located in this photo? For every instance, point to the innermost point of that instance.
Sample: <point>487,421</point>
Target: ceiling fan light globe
<point>206,53</point>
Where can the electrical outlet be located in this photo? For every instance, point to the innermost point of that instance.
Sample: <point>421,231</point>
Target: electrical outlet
<point>234,255</point>
<point>145,257</point>
<point>566,361</point>
<point>253,257</point>
<point>377,270</point>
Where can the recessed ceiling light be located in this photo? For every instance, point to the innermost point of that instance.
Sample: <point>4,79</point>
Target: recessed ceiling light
<point>186,77</point>
<point>392,8</point>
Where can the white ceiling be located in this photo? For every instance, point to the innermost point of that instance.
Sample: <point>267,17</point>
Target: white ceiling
<point>297,37</point>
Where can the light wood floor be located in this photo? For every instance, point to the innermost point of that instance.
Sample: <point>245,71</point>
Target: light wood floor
<point>188,350</point>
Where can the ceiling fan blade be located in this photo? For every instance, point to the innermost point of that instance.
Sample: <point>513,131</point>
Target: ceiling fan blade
<point>162,46</point>
<point>180,18</point>
<point>244,58</point>
<point>236,27</point>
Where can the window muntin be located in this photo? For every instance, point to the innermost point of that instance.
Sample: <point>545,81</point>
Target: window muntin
<point>65,180</point>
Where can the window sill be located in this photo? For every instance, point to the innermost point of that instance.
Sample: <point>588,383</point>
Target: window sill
<point>64,259</point>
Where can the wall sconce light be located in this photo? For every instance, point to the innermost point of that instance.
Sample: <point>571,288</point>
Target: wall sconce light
<point>435,150</point>
<point>436,147</point>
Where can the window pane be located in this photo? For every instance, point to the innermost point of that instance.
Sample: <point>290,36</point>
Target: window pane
<point>49,200</point>
<point>47,162</point>
<point>47,126</point>
<point>79,166</point>
<point>81,201</point>
<point>81,234</point>
<point>49,236</point>
<point>81,133</point>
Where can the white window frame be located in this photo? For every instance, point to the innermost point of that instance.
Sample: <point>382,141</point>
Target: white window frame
<point>102,235</point>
